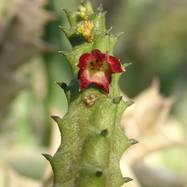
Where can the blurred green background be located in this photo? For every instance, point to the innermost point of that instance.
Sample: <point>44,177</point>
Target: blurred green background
<point>154,40</point>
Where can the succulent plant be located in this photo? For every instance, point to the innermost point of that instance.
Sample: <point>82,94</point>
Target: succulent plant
<point>92,139</point>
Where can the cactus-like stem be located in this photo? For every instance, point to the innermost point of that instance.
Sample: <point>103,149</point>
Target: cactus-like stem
<point>92,141</point>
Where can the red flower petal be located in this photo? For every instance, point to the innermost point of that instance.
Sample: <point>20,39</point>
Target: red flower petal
<point>96,67</point>
<point>104,86</point>
<point>96,52</point>
<point>114,64</point>
<point>98,55</point>
<point>84,82</point>
<point>101,81</point>
<point>84,60</point>
<point>99,78</point>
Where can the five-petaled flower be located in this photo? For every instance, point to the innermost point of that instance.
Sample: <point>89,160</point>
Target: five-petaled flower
<point>97,67</point>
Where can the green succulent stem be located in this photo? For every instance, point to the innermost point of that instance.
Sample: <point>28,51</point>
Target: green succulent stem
<point>92,140</point>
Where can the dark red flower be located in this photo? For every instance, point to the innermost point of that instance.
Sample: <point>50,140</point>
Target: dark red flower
<point>96,67</point>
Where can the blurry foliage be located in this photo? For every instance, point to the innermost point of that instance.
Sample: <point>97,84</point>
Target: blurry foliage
<point>21,26</point>
<point>155,41</point>
<point>149,121</point>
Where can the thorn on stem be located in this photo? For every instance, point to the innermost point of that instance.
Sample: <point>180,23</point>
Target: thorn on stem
<point>63,30</point>
<point>55,118</point>
<point>117,100</point>
<point>109,30</point>
<point>120,34</point>
<point>100,8</point>
<point>48,157</point>
<point>132,141</point>
<point>63,85</point>
<point>125,65</point>
<point>127,179</point>
<point>129,102</point>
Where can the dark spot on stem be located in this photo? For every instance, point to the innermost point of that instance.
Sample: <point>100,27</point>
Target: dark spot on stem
<point>98,173</point>
<point>104,132</point>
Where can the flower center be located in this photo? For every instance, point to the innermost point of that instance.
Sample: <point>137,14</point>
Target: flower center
<point>98,65</point>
